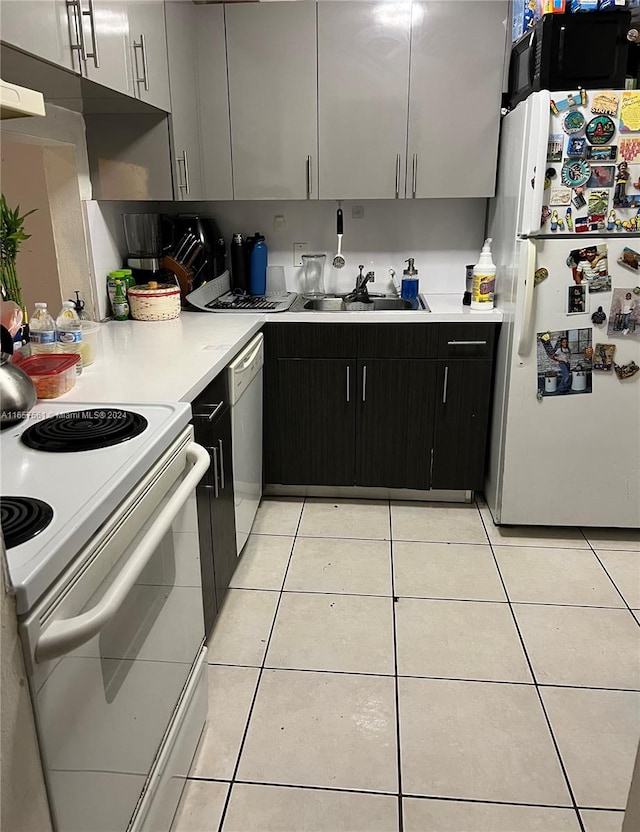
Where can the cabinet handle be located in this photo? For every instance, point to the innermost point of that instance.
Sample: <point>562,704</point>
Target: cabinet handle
<point>364,383</point>
<point>309,178</point>
<point>184,187</point>
<point>214,460</point>
<point>73,7</point>
<point>348,382</point>
<point>145,70</point>
<point>94,39</point>
<point>210,416</point>
<point>444,389</point>
<point>397,175</point>
<point>465,343</point>
<point>414,175</point>
<point>221,463</point>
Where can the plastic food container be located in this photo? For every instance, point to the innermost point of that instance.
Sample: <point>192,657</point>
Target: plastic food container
<point>154,301</point>
<point>52,375</point>
<point>89,346</point>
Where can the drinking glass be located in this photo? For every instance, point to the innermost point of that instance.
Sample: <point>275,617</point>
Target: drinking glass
<point>313,275</point>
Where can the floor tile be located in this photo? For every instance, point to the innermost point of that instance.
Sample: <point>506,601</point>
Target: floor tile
<point>231,692</point>
<point>595,821</point>
<point>263,562</point>
<point>477,740</point>
<point>366,519</point>
<point>437,522</point>
<point>322,729</point>
<point>556,576</point>
<point>334,565</point>
<point>584,646</point>
<point>279,809</point>
<point>624,568</point>
<point>352,633</point>
<point>597,733</point>
<point>623,539</point>
<point>201,807</point>
<point>278,515</point>
<point>446,570</point>
<point>243,626</point>
<point>459,640</point>
<point>554,536</point>
<point>422,815</point>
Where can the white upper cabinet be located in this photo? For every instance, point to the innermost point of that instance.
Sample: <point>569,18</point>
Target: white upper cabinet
<point>457,59</point>
<point>271,50</point>
<point>39,27</point>
<point>363,88</point>
<point>104,34</point>
<point>148,51</point>
<point>211,99</point>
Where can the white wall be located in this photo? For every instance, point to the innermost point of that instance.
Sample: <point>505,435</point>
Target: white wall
<point>442,235</point>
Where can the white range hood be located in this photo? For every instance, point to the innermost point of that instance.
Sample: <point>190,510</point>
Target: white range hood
<point>18,102</point>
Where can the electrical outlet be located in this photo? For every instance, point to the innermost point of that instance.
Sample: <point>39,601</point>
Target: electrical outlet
<point>298,250</point>
<point>357,212</point>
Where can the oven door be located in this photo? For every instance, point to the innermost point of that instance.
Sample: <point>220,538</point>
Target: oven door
<point>111,646</point>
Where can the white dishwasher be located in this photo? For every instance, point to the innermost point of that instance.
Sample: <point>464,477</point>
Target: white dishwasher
<point>245,392</point>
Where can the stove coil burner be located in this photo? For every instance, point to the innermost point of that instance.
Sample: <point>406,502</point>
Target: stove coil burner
<point>84,430</point>
<point>22,518</point>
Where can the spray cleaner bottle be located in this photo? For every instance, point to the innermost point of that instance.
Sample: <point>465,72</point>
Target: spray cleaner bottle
<point>484,280</point>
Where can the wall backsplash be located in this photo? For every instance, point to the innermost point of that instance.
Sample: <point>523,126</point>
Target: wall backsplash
<point>442,235</point>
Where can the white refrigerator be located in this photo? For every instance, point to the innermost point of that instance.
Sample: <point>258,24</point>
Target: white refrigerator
<point>565,440</point>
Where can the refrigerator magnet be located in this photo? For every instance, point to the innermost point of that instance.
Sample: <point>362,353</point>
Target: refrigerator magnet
<point>626,371</point>
<point>554,147</point>
<point>578,199</point>
<point>539,275</point>
<point>577,299</point>
<point>600,284</point>
<point>568,216</point>
<point>630,112</point>
<point>603,357</point>
<point>563,362</point>
<point>624,316</point>
<point>600,130</point>
<point>611,220</point>
<point>575,172</point>
<point>598,203</point>
<point>554,221</point>
<point>622,179</point>
<point>574,122</point>
<point>607,153</point>
<point>577,147</point>
<point>588,263</point>
<point>630,149</point>
<point>602,176</point>
<point>605,104</point>
<point>599,317</point>
<point>560,196</point>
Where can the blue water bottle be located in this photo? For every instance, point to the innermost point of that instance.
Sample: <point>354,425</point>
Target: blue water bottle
<point>258,270</point>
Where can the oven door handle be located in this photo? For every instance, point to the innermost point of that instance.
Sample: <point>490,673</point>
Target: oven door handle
<point>65,635</point>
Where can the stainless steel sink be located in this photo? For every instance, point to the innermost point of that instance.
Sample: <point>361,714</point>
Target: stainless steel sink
<point>337,304</point>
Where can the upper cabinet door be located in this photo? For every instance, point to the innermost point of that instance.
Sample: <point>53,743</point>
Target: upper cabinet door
<point>363,83</point>
<point>211,100</point>
<point>148,45</point>
<point>457,59</point>
<point>41,28</point>
<point>105,34</point>
<point>185,124</point>
<point>271,50</point>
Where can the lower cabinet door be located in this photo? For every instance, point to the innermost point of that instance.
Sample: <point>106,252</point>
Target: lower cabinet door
<point>395,422</point>
<point>462,418</point>
<point>223,524</point>
<point>312,422</point>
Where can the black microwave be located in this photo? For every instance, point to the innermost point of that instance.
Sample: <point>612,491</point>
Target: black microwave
<point>567,51</point>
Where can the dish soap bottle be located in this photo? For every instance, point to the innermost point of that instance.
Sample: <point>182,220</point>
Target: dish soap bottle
<point>484,280</point>
<point>409,289</point>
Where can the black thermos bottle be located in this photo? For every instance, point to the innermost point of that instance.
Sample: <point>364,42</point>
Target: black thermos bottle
<point>239,265</point>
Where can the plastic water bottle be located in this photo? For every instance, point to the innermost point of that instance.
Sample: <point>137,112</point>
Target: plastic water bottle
<point>69,332</point>
<point>42,331</point>
<point>258,273</point>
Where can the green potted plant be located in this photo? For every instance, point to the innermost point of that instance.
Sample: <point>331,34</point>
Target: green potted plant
<point>12,236</point>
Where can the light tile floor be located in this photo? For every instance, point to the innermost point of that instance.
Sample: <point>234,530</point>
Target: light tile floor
<point>407,667</point>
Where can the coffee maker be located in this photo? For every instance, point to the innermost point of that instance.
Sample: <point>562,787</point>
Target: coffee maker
<point>145,235</point>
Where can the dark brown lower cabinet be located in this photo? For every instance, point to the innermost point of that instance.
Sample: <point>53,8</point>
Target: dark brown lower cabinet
<point>395,422</point>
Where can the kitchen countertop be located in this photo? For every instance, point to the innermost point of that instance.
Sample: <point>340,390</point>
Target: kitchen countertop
<point>151,361</point>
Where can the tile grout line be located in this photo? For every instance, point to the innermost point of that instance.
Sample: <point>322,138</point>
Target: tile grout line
<point>535,681</point>
<point>396,682</point>
<point>606,571</point>
<point>260,674</point>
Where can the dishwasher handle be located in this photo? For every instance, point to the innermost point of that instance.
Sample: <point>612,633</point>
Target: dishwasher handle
<point>65,635</point>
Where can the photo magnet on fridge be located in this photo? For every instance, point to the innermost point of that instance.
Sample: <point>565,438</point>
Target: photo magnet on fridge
<point>577,299</point>
<point>588,263</point>
<point>600,284</point>
<point>624,317</point>
<point>630,259</point>
<point>603,357</point>
<point>602,176</point>
<point>554,147</point>
<point>564,362</point>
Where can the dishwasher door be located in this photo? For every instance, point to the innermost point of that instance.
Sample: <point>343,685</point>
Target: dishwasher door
<point>245,392</point>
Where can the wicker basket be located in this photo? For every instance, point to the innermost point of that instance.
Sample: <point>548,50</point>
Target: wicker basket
<point>154,301</point>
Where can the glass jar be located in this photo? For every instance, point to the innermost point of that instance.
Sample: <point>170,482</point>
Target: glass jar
<point>313,275</point>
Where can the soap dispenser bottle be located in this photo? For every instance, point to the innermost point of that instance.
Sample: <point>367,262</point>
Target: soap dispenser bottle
<point>409,281</point>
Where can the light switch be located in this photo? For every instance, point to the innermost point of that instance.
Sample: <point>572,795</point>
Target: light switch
<point>298,250</point>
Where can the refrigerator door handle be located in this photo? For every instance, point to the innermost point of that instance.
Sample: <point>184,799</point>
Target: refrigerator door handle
<point>527,316</point>
<point>540,118</point>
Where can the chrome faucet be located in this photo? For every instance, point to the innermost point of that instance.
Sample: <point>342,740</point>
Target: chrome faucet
<point>360,291</point>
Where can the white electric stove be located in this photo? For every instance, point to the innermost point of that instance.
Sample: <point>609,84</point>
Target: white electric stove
<point>105,566</point>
